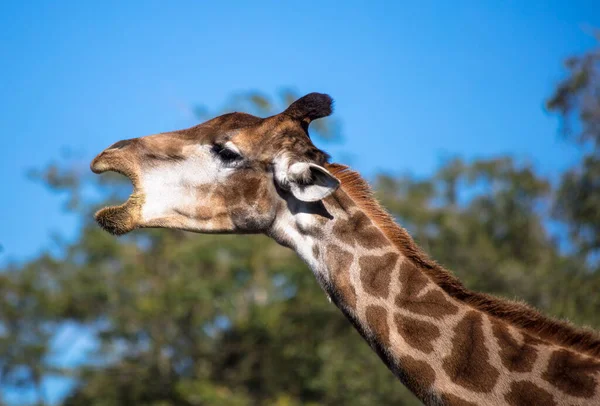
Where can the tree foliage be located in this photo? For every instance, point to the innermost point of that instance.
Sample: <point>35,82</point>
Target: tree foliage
<point>577,101</point>
<point>185,319</point>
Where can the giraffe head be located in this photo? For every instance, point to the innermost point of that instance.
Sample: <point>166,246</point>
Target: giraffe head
<point>231,174</point>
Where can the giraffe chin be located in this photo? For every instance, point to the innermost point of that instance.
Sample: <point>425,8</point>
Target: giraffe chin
<point>119,220</point>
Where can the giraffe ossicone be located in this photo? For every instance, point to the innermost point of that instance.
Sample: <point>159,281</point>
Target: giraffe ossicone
<point>238,173</point>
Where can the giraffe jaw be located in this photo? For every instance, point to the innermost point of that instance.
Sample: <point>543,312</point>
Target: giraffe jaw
<point>123,218</point>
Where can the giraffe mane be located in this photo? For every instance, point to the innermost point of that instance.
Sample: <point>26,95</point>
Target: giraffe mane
<point>518,314</point>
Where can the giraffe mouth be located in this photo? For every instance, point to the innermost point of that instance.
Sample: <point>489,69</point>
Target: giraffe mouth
<point>123,218</point>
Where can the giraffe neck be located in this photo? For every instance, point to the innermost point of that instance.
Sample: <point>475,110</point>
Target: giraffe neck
<point>444,350</point>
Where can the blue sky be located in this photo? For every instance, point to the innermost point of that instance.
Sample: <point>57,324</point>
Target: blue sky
<point>414,82</point>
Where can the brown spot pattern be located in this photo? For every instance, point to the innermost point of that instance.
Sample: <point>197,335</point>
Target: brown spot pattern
<point>411,279</point>
<point>418,334</point>
<point>515,357</point>
<point>376,273</point>
<point>453,400</point>
<point>339,262</point>
<point>434,303</point>
<point>417,375</point>
<point>517,314</point>
<point>359,229</point>
<point>342,199</point>
<point>250,186</point>
<point>377,321</point>
<point>227,195</point>
<point>525,393</point>
<point>468,364</point>
<point>572,373</point>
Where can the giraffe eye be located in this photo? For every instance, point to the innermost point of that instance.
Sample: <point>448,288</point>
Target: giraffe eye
<point>226,154</point>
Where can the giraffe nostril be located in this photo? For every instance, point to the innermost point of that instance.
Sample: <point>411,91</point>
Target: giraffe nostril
<point>120,144</point>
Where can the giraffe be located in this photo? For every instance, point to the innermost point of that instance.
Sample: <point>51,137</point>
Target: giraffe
<point>238,173</point>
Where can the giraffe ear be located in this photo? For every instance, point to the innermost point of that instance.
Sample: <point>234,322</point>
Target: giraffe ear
<point>310,107</point>
<point>309,182</point>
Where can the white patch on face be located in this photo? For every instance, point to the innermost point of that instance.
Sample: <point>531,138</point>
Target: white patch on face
<point>285,229</point>
<point>282,163</point>
<point>288,230</point>
<point>171,188</point>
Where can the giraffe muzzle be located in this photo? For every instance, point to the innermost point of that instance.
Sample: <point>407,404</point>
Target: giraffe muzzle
<point>123,218</point>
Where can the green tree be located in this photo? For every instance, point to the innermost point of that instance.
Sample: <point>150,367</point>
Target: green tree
<point>577,102</point>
